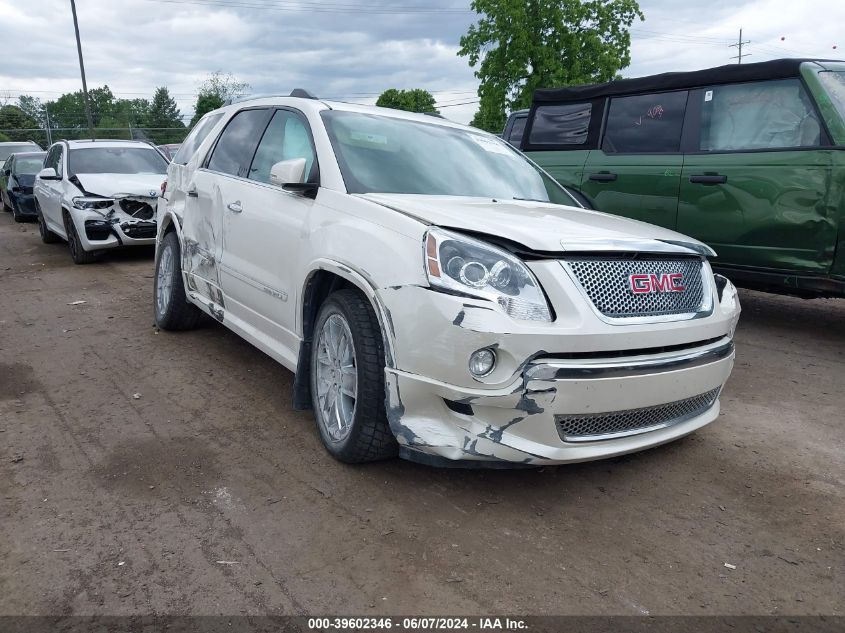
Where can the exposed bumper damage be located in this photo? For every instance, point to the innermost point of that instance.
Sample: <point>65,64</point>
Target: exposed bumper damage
<point>554,398</point>
<point>127,221</point>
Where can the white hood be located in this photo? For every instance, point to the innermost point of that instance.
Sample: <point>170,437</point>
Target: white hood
<point>108,185</point>
<point>539,226</point>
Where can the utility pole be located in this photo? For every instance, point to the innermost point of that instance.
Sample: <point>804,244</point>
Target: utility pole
<point>49,133</point>
<point>738,44</point>
<point>82,71</point>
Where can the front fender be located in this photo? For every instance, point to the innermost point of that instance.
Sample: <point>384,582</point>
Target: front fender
<point>366,285</point>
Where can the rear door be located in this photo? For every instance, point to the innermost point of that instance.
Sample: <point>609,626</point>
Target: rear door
<point>757,184</point>
<point>208,190</point>
<point>636,172</point>
<point>264,229</point>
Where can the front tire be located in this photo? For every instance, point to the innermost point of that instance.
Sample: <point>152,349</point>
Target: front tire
<point>347,380</point>
<point>16,214</point>
<point>170,304</point>
<point>79,254</point>
<point>47,236</point>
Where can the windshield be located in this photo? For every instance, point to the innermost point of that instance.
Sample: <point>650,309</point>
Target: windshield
<point>834,84</point>
<point>30,165</point>
<point>116,160</point>
<point>8,150</point>
<point>381,154</point>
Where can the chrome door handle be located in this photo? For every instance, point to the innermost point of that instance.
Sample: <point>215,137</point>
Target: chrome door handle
<point>193,193</point>
<point>235,207</point>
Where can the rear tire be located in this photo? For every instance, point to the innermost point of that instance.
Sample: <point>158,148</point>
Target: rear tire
<point>15,214</point>
<point>347,380</point>
<point>79,254</point>
<point>170,304</point>
<point>47,236</point>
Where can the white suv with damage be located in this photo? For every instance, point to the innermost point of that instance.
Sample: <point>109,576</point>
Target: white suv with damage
<point>99,195</point>
<point>437,295</point>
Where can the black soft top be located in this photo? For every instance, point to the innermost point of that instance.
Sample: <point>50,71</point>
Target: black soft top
<point>731,73</point>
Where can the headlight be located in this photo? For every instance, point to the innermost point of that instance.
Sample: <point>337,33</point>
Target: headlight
<point>472,267</point>
<point>82,202</point>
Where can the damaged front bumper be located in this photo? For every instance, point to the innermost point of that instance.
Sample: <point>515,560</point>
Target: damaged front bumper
<point>129,221</point>
<point>576,389</point>
<point>562,410</point>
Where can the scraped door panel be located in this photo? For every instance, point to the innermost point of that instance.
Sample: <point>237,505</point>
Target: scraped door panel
<point>202,231</point>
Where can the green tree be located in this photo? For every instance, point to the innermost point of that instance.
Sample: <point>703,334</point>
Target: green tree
<point>520,45</point>
<point>163,119</point>
<point>416,100</point>
<point>17,125</point>
<point>214,91</point>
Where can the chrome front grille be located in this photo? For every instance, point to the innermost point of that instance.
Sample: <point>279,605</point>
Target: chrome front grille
<point>608,284</point>
<point>601,426</point>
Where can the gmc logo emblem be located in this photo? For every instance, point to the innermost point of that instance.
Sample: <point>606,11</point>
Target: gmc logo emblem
<point>665,282</point>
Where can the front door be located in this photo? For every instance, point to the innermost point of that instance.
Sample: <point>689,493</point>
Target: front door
<point>50,191</point>
<point>264,227</point>
<point>758,188</point>
<point>636,172</point>
<point>208,189</point>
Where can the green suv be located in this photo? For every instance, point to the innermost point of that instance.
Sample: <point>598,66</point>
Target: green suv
<point>748,158</point>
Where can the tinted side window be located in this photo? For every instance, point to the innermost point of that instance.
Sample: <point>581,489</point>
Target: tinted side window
<point>195,138</point>
<point>561,124</point>
<point>234,148</point>
<point>759,115</point>
<point>286,137</point>
<point>517,130</point>
<point>645,123</point>
<point>54,159</point>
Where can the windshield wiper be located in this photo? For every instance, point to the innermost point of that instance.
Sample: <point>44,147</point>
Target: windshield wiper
<point>528,199</point>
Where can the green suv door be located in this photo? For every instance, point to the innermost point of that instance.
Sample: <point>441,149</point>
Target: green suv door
<point>756,182</point>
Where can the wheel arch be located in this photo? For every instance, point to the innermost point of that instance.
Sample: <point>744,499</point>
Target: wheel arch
<point>324,277</point>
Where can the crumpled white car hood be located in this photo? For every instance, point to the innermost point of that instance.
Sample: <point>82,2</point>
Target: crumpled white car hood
<point>108,185</point>
<point>540,226</point>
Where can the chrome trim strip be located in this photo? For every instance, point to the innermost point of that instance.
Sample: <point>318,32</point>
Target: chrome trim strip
<point>277,294</point>
<point>635,244</point>
<point>598,368</point>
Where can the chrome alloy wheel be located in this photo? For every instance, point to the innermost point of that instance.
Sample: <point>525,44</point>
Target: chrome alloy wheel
<point>336,377</point>
<point>164,279</point>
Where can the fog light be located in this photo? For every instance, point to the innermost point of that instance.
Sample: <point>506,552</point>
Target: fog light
<point>482,362</point>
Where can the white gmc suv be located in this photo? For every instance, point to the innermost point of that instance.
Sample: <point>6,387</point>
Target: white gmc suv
<point>436,294</point>
<point>99,195</point>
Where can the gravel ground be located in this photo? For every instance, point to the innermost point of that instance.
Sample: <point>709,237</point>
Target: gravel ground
<point>148,472</point>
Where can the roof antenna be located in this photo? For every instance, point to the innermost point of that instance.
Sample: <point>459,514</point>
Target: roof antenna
<point>302,93</point>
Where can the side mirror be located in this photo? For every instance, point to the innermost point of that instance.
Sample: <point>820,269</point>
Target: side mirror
<point>287,172</point>
<point>7,172</point>
<point>48,173</point>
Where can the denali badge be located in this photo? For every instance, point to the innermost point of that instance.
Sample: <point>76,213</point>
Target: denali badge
<point>664,282</point>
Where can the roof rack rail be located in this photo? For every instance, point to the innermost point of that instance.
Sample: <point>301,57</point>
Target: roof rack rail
<point>296,92</point>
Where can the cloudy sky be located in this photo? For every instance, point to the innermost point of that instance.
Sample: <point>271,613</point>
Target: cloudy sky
<point>353,50</point>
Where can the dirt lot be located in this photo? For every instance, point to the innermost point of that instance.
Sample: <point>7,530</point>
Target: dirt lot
<point>148,472</point>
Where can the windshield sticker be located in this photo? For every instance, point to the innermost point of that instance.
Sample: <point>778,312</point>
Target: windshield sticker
<point>708,96</point>
<point>489,145</point>
<point>366,137</point>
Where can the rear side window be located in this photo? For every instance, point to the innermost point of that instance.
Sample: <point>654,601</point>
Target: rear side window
<point>196,137</point>
<point>286,137</point>
<point>517,130</point>
<point>236,144</point>
<point>561,124</point>
<point>645,123</point>
<point>759,115</point>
